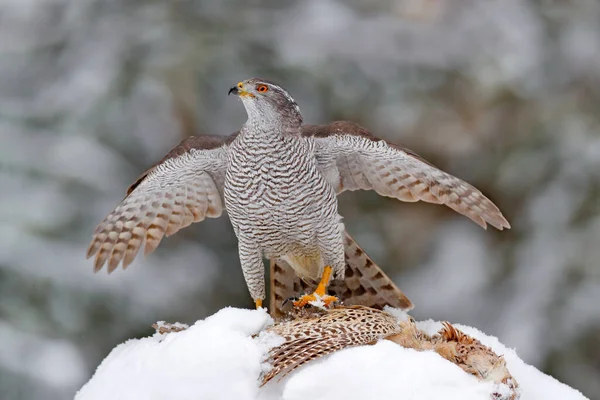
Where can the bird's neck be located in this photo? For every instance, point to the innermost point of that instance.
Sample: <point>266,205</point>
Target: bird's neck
<point>274,120</point>
<point>272,126</point>
<point>266,131</point>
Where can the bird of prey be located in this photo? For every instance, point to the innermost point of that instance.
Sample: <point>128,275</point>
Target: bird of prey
<point>278,180</point>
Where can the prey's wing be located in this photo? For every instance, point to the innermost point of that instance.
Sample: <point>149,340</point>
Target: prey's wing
<point>351,158</point>
<point>311,337</point>
<point>185,186</point>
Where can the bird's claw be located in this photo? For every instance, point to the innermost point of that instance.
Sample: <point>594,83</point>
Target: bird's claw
<point>316,300</point>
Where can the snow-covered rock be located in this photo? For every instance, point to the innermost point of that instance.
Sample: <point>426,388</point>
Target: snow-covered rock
<point>220,358</point>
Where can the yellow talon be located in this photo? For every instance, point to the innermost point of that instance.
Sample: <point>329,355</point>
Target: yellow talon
<point>307,298</point>
<point>319,293</point>
<point>258,303</point>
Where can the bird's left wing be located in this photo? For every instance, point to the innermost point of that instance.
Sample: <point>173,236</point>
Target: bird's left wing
<point>185,186</point>
<point>351,158</point>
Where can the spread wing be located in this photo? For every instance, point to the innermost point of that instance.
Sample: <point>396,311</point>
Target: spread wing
<point>351,158</point>
<point>185,186</point>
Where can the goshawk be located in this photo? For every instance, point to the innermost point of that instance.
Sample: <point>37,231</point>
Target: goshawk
<point>278,180</point>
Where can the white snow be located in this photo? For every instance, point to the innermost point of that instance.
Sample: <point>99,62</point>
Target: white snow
<point>218,358</point>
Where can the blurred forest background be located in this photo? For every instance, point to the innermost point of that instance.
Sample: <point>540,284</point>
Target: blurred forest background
<point>502,93</point>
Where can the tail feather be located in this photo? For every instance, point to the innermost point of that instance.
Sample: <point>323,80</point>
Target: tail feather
<point>364,284</point>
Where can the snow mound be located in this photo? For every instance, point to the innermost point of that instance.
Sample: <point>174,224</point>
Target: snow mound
<point>218,358</point>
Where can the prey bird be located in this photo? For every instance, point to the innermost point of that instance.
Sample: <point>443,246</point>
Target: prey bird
<point>318,333</point>
<point>278,180</point>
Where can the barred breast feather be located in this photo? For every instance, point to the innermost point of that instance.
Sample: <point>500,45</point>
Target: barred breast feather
<point>278,199</point>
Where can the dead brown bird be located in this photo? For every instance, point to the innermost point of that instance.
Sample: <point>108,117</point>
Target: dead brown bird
<point>314,335</point>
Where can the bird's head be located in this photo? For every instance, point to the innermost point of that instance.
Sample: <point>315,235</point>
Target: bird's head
<point>266,102</point>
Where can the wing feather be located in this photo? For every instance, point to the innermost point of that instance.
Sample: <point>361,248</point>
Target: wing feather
<point>351,158</point>
<point>186,186</point>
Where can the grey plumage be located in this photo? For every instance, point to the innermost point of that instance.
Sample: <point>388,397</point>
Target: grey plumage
<point>278,180</point>
<point>279,203</point>
<point>184,187</point>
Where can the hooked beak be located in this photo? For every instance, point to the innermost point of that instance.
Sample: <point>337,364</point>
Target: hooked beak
<point>239,90</point>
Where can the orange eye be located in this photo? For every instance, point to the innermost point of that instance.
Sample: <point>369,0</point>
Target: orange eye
<point>262,88</point>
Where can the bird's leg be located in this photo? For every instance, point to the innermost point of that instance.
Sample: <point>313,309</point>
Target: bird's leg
<point>253,269</point>
<point>320,291</point>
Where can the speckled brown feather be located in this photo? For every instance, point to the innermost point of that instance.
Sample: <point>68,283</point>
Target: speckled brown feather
<point>364,283</point>
<point>472,356</point>
<point>313,335</point>
<point>323,333</point>
<point>310,334</point>
<point>466,352</point>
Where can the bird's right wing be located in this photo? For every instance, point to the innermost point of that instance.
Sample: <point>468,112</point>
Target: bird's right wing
<point>185,186</point>
<point>351,158</point>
